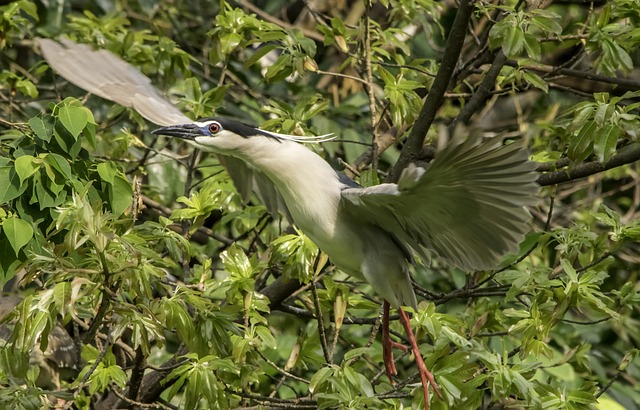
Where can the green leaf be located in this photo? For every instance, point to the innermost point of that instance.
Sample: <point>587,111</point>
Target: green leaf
<point>43,128</point>
<point>360,351</point>
<point>513,42</point>
<point>606,141</point>
<point>14,362</point>
<point>8,261</point>
<point>30,8</point>
<point>258,54</point>
<point>280,70</point>
<point>319,378</point>
<point>532,47</point>
<point>623,58</point>
<point>121,195</point>
<point>229,42</point>
<point>581,146</point>
<point>547,25</point>
<point>74,119</point>
<point>603,113</point>
<point>581,116</point>
<point>10,186</point>
<point>62,296</point>
<point>498,32</point>
<point>26,166</point>
<point>107,171</point>
<point>27,88</point>
<point>60,164</point>
<point>236,262</point>
<point>536,81</point>
<point>267,338</point>
<point>17,231</point>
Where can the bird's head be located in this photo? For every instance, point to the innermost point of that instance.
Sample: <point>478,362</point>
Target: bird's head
<point>231,137</point>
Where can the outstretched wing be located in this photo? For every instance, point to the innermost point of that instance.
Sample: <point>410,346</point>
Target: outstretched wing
<point>104,74</point>
<point>468,206</point>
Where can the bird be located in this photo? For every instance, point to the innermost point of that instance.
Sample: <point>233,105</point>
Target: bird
<point>469,206</point>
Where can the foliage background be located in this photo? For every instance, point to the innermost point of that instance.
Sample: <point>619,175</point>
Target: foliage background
<point>134,275</point>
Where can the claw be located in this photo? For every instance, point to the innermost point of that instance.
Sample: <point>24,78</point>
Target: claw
<point>425,375</point>
<point>387,353</point>
<point>388,345</point>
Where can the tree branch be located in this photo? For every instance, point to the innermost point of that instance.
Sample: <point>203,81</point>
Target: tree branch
<point>482,93</point>
<point>631,154</point>
<point>279,290</point>
<point>628,82</point>
<point>413,145</point>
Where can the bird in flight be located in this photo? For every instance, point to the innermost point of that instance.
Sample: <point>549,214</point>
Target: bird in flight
<point>469,206</point>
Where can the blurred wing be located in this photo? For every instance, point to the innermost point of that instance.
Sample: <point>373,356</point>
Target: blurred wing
<point>468,206</point>
<point>104,74</point>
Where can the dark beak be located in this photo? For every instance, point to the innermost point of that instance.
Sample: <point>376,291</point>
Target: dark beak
<point>184,131</point>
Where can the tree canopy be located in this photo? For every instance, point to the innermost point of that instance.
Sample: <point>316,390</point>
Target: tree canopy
<point>135,275</point>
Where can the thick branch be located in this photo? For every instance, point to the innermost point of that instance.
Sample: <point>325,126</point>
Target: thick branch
<point>413,145</point>
<point>482,93</point>
<point>280,289</point>
<point>151,384</point>
<point>628,82</point>
<point>632,154</point>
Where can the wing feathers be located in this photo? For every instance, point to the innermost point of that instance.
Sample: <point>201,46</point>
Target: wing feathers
<point>468,205</point>
<point>106,75</point>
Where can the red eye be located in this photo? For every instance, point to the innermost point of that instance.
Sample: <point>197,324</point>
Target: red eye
<point>214,128</point>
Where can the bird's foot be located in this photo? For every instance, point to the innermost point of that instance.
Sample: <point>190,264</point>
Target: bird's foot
<point>388,345</point>
<point>425,375</point>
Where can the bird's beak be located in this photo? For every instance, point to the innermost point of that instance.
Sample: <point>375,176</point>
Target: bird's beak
<point>184,131</point>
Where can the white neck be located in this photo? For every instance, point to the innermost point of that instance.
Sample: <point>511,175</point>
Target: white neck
<point>307,183</point>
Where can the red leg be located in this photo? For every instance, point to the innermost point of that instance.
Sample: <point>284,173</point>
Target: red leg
<point>388,344</point>
<point>422,368</point>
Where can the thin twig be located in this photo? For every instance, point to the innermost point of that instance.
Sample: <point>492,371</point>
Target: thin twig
<point>281,370</point>
<point>321,330</point>
<point>275,400</point>
<point>606,387</point>
<point>139,404</point>
<point>334,74</point>
<point>370,89</point>
<point>271,19</point>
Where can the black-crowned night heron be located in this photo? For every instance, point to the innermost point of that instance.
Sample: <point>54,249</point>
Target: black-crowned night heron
<point>469,205</point>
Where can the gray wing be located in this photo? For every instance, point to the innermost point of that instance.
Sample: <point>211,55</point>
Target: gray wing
<point>468,206</point>
<point>108,76</point>
<point>104,74</point>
